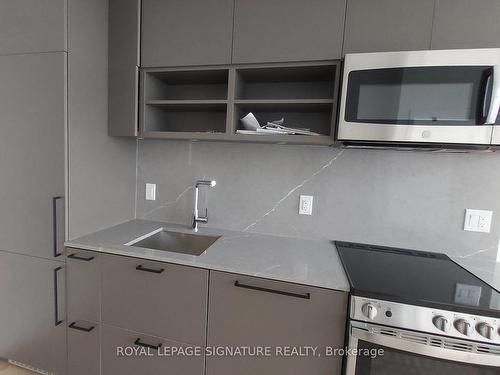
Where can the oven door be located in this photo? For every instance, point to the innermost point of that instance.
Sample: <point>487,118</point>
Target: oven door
<point>421,97</point>
<point>407,352</point>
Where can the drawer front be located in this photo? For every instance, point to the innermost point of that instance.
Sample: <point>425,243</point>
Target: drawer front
<point>83,283</point>
<point>83,348</point>
<point>155,298</point>
<point>121,355</point>
<point>247,311</point>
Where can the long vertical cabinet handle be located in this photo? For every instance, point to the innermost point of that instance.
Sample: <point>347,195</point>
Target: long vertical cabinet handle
<point>54,225</point>
<point>57,321</point>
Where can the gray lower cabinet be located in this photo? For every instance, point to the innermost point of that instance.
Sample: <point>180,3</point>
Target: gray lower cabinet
<point>186,32</point>
<point>287,30</point>
<point>248,311</point>
<point>83,285</point>
<point>388,25</point>
<point>84,348</point>
<point>466,24</point>
<point>28,26</point>
<point>32,312</point>
<point>123,67</point>
<point>156,298</point>
<point>126,352</point>
<point>33,112</point>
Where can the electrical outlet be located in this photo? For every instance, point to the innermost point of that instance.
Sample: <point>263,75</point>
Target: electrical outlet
<point>478,220</point>
<point>305,205</point>
<point>150,192</point>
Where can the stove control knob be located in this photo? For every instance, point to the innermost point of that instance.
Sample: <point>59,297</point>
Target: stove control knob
<point>441,323</point>
<point>462,326</point>
<point>369,311</point>
<point>485,330</point>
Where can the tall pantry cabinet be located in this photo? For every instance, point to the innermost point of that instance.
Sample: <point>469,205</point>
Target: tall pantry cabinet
<point>53,118</point>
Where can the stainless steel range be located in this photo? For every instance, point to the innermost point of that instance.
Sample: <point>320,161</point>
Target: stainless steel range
<point>427,314</point>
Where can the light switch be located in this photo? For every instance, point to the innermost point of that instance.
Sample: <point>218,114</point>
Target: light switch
<point>477,220</point>
<point>305,205</point>
<point>150,192</point>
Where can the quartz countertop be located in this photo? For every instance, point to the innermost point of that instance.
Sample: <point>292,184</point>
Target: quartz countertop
<point>308,262</point>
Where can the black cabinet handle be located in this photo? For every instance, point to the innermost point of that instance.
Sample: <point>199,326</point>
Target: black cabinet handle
<point>78,328</point>
<point>140,267</point>
<point>289,294</point>
<point>54,224</point>
<point>149,346</point>
<point>56,298</point>
<point>78,257</point>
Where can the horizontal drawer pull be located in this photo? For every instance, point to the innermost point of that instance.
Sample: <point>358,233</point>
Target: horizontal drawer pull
<point>140,267</point>
<point>78,328</point>
<point>78,257</point>
<point>144,345</point>
<point>290,294</point>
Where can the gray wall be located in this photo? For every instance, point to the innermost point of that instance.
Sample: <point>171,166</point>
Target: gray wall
<point>101,174</point>
<point>408,199</point>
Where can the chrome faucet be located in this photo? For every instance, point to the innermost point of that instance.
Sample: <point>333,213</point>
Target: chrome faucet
<point>196,218</point>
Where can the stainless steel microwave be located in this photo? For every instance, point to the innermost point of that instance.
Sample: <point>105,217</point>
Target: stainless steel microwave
<point>421,97</point>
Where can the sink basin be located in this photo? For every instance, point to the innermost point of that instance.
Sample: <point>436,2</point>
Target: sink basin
<point>177,242</point>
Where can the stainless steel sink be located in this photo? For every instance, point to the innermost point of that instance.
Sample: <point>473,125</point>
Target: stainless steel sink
<point>177,242</point>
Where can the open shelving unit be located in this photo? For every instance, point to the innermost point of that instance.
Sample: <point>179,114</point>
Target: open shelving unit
<point>208,103</point>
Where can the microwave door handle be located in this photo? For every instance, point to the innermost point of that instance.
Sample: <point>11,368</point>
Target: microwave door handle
<point>495,97</point>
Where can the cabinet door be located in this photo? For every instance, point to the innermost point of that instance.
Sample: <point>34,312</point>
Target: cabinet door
<point>123,67</point>
<point>83,285</point>
<point>32,108</point>
<point>83,348</point>
<point>287,30</point>
<point>466,24</point>
<point>247,311</point>
<point>155,298</point>
<point>388,25</point>
<point>186,32</point>
<point>32,26</point>
<point>32,299</point>
<point>116,343</point>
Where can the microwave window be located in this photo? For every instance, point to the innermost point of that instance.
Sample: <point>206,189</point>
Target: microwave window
<point>420,96</point>
<point>416,102</point>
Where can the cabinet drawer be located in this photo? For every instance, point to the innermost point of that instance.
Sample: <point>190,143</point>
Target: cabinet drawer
<point>83,348</point>
<point>118,344</point>
<point>156,298</point>
<point>84,283</point>
<point>247,311</point>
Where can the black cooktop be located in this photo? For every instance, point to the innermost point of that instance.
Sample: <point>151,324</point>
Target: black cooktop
<point>416,278</point>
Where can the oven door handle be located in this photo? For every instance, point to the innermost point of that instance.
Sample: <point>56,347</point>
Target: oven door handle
<point>494,107</point>
<point>426,350</point>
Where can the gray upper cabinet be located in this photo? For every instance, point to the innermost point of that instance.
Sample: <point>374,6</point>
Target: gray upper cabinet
<point>287,30</point>
<point>33,111</point>
<point>388,25</point>
<point>31,291</point>
<point>466,24</point>
<point>32,26</point>
<point>248,311</point>
<point>123,67</point>
<point>186,32</point>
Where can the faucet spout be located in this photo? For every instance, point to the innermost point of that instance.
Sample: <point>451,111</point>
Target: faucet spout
<point>196,217</point>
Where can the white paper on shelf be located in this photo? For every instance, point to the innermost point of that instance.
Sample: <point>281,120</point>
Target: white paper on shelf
<point>250,122</point>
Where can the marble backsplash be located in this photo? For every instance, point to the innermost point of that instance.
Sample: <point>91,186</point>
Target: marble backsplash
<point>394,198</point>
